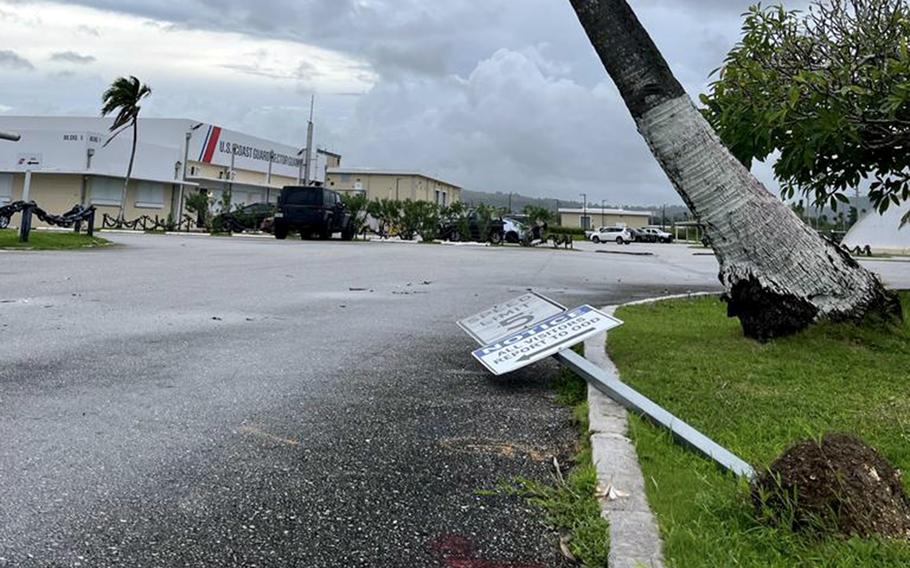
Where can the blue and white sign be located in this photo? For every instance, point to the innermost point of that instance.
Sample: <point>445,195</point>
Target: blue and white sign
<point>544,339</point>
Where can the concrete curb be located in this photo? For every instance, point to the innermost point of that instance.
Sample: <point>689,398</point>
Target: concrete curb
<point>634,534</point>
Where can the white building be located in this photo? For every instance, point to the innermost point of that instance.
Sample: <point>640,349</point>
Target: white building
<point>71,164</point>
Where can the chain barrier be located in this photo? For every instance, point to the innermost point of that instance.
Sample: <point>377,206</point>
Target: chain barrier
<point>72,218</point>
<point>146,223</point>
<point>77,214</point>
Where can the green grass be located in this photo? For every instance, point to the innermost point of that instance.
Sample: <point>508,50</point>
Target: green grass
<point>49,240</point>
<point>570,504</point>
<point>757,400</point>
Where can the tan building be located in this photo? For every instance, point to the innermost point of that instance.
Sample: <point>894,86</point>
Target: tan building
<point>70,164</point>
<point>594,217</point>
<point>396,185</point>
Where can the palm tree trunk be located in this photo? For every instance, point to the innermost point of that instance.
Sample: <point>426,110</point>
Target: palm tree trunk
<point>779,275</point>
<point>129,170</point>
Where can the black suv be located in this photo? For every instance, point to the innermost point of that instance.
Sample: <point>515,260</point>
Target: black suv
<point>312,210</point>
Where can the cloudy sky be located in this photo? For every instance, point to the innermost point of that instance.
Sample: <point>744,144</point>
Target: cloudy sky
<point>497,95</point>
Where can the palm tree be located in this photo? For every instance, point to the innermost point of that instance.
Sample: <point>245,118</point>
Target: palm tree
<point>123,96</point>
<point>779,275</point>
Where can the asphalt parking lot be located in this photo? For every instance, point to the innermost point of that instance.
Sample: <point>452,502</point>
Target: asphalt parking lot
<point>196,401</point>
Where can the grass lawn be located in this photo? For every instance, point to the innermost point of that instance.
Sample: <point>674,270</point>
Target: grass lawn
<point>757,400</point>
<point>49,240</point>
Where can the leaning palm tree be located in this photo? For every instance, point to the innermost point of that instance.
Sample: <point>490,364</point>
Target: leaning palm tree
<point>123,96</point>
<point>779,275</point>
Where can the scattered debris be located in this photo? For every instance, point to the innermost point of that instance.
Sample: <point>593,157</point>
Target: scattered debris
<point>357,290</point>
<point>610,493</point>
<point>216,318</point>
<point>564,548</point>
<point>839,483</point>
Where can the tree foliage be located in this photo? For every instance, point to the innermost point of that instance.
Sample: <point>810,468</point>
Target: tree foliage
<point>358,206</point>
<point>123,97</point>
<point>830,90</point>
<point>537,214</point>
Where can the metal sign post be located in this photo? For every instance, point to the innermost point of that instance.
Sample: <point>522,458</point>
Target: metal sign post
<point>532,327</point>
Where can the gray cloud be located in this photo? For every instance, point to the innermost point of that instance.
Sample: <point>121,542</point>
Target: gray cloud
<point>72,57</point>
<point>498,95</point>
<point>12,60</point>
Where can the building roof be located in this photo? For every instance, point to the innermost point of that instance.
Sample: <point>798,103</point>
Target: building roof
<point>379,172</point>
<point>594,210</point>
<point>882,232</point>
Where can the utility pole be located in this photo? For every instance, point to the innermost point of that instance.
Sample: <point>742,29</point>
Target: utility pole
<point>226,203</point>
<point>510,203</point>
<point>584,210</point>
<point>186,160</point>
<point>309,143</point>
<point>397,181</point>
<point>602,208</point>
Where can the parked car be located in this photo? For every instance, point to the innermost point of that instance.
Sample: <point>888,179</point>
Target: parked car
<point>312,210</point>
<point>249,217</point>
<point>640,236</point>
<point>618,235</point>
<point>450,230</point>
<point>657,235</point>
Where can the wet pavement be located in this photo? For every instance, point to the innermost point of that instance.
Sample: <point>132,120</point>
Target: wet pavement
<point>193,401</point>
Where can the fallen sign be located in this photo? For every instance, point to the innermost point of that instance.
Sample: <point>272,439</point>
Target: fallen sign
<point>543,339</point>
<point>555,335</point>
<point>509,317</point>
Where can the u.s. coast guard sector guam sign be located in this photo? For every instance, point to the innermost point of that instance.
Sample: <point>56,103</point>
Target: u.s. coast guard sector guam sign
<point>530,328</point>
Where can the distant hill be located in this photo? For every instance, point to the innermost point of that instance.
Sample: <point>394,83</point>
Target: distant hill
<point>670,212</point>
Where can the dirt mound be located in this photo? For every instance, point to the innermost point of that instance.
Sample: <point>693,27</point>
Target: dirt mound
<point>840,483</point>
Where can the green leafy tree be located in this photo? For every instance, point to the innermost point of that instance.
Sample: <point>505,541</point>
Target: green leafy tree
<point>123,97</point>
<point>457,214</point>
<point>830,90</point>
<point>537,214</point>
<point>485,215</point>
<point>387,213</point>
<point>419,218</point>
<point>357,205</point>
<point>200,203</point>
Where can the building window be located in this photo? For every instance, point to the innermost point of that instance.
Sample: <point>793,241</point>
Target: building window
<point>6,188</point>
<point>438,197</point>
<point>106,191</point>
<point>445,198</point>
<point>150,195</point>
<point>586,222</point>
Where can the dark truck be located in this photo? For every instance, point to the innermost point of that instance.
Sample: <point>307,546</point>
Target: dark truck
<point>312,210</point>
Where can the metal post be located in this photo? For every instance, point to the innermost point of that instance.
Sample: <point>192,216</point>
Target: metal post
<point>397,181</point>
<point>268,177</point>
<point>309,143</point>
<point>91,223</point>
<point>300,166</point>
<point>634,401</point>
<point>602,208</point>
<point>227,202</point>
<point>25,225</point>
<point>584,211</point>
<point>11,136</point>
<point>27,186</point>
